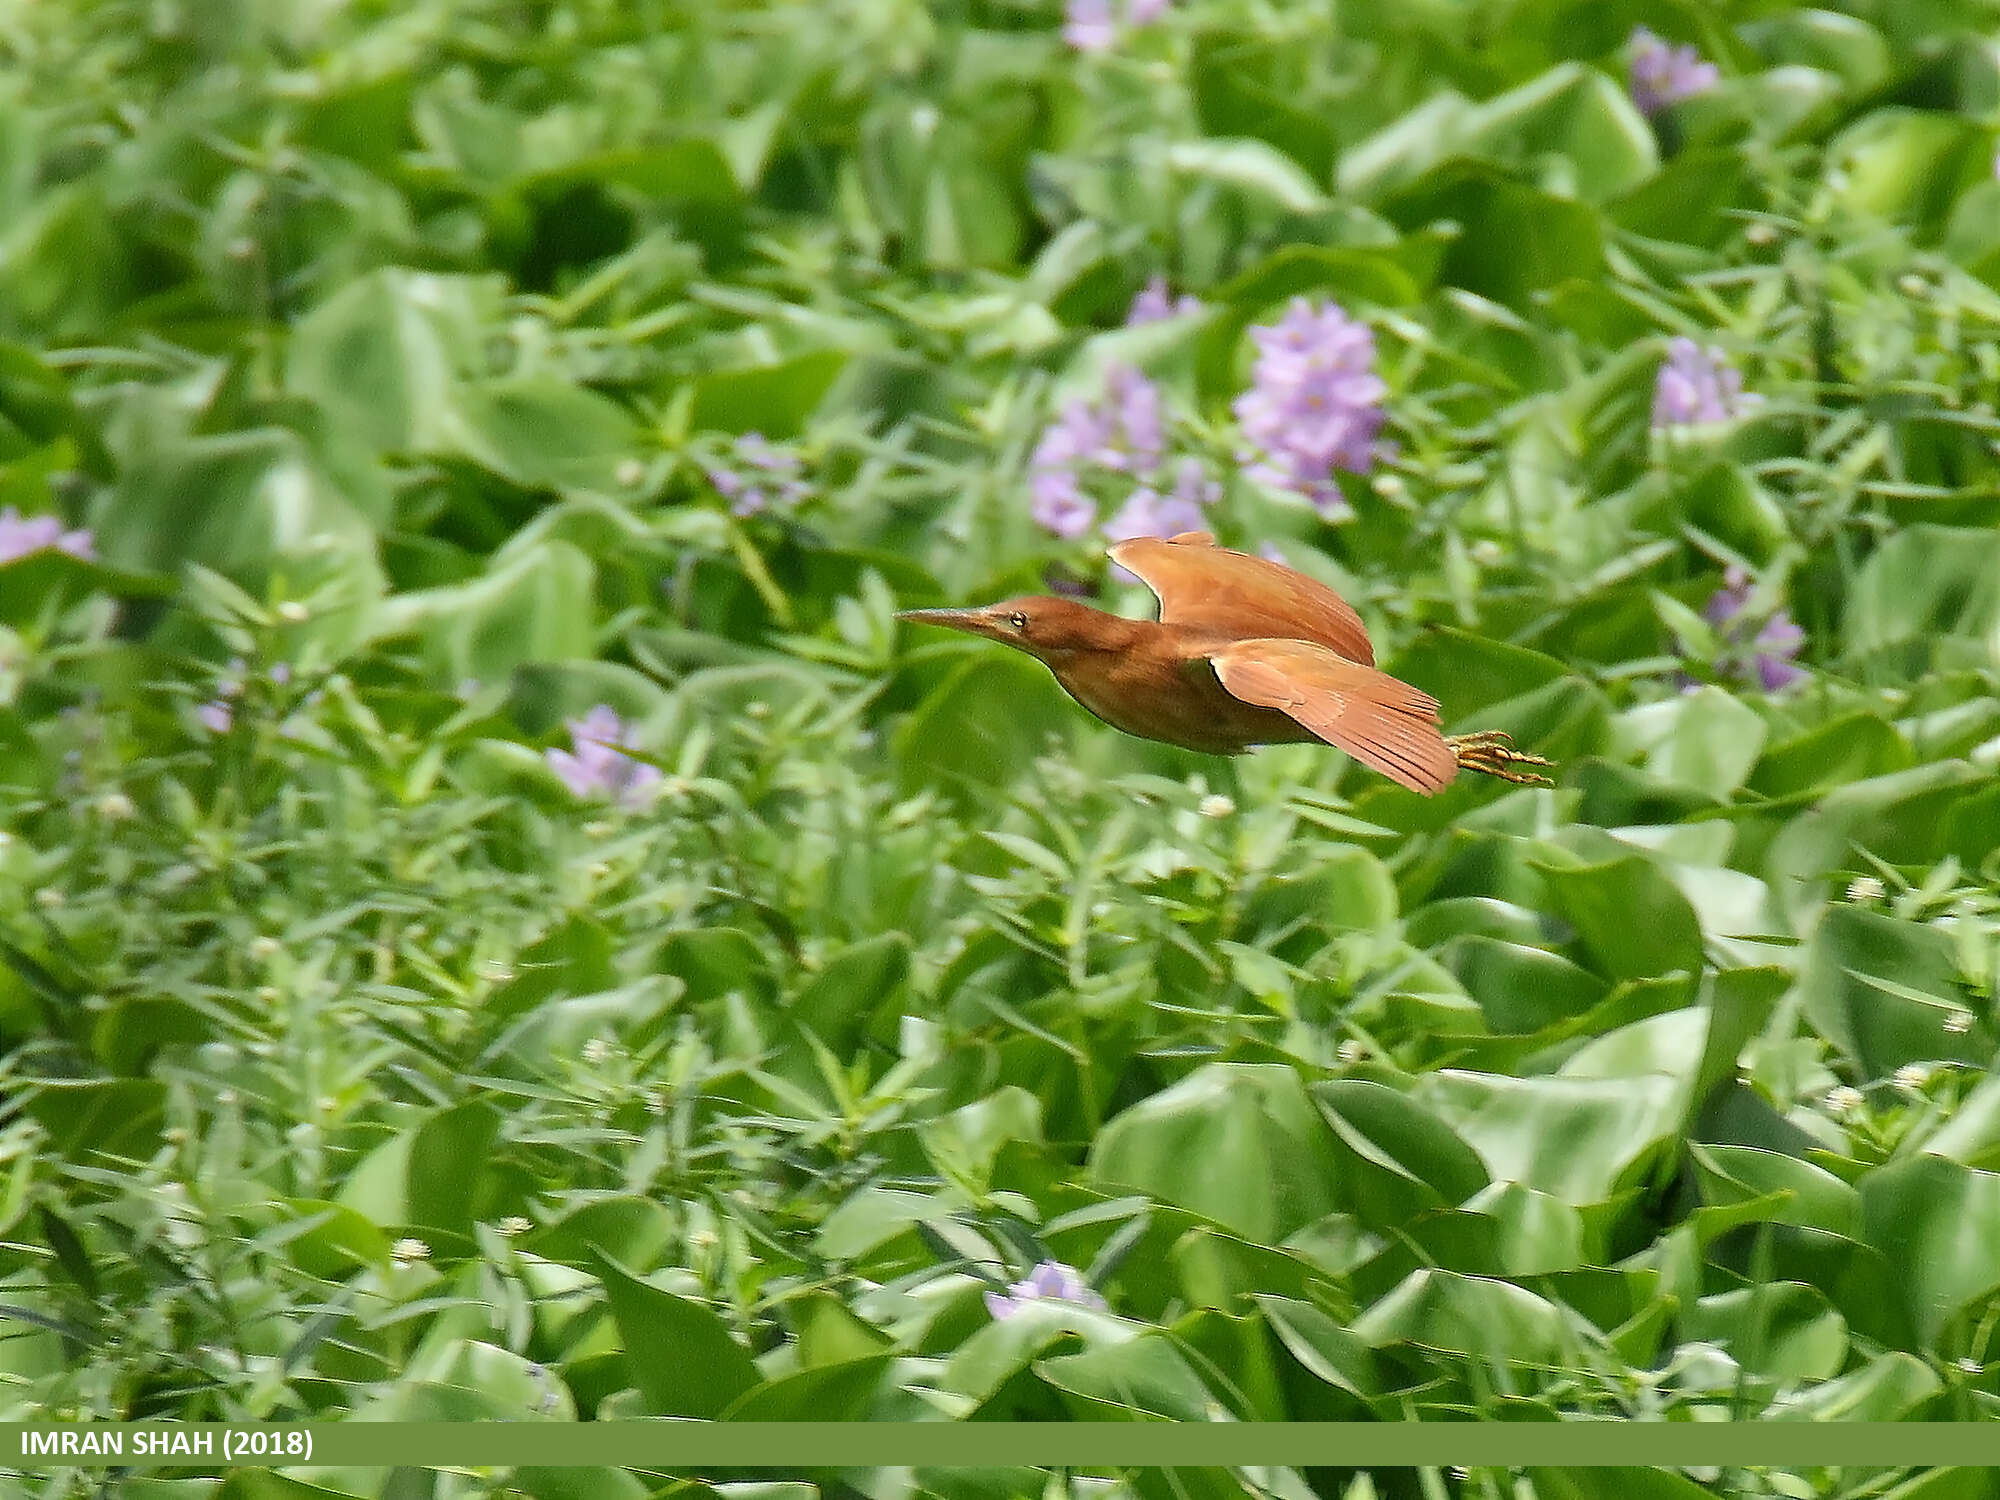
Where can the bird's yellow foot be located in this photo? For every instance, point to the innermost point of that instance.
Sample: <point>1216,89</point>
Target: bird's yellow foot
<point>1491,752</point>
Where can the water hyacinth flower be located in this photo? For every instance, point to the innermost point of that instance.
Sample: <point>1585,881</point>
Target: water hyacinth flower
<point>1122,435</point>
<point>1093,25</point>
<point>1156,303</point>
<point>757,472</point>
<point>1760,654</point>
<point>1051,1281</point>
<point>21,535</point>
<point>598,766</point>
<point>1149,513</point>
<point>1314,403</point>
<point>1697,385</point>
<point>1663,74</point>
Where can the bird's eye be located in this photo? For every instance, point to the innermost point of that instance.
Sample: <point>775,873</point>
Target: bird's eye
<point>1018,620</point>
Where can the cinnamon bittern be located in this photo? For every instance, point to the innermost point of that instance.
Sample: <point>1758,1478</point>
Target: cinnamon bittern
<point>1245,652</point>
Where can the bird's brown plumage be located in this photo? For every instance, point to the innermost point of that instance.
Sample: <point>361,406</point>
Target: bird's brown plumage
<point>1203,586</point>
<point>1245,652</point>
<point>1382,722</point>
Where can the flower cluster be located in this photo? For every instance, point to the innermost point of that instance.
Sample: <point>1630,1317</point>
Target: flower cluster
<point>1697,385</point>
<point>20,535</point>
<point>1157,303</point>
<point>1093,25</point>
<point>1663,74</point>
<point>1051,1281</point>
<point>1314,403</point>
<point>1753,651</point>
<point>1120,439</point>
<point>757,472</point>
<point>598,765</point>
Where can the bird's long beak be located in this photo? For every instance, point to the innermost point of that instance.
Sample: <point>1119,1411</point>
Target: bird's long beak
<point>971,621</point>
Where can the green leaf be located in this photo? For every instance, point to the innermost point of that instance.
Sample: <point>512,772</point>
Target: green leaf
<point>382,357</point>
<point>1629,918</point>
<point>1577,1139</point>
<point>1548,239</point>
<point>536,606</point>
<point>1520,989</point>
<point>1397,1159</point>
<point>1881,990</point>
<point>826,1393</point>
<point>1254,1115</point>
<point>1907,165</point>
<point>684,1359</point>
<point>1714,741</point>
<point>1780,1330</point>
<point>447,1157</point>
<point>1493,1321</point>
<point>1737,1174</point>
<point>837,1003</point>
<point>1924,582</point>
<point>543,433</point>
<point>1883,1390</point>
<point>1939,1223</point>
<point>774,399</point>
<point>1467,672</point>
<point>1250,165</point>
<point>1851,747</point>
<point>1146,1377</point>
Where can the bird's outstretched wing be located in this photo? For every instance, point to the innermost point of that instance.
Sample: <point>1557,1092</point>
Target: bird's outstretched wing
<point>1381,722</point>
<point>1206,586</point>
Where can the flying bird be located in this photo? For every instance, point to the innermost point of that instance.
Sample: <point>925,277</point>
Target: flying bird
<point>1245,652</point>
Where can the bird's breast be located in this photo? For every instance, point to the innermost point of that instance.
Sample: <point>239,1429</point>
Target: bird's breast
<point>1178,701</point>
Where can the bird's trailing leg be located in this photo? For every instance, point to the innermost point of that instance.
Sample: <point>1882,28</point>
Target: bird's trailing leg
<point>1491,752</point>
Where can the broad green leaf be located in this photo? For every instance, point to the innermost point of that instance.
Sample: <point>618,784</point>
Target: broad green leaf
<point>825,1393</point>
<point>1143,1378</point>
<point>1577,1139</point>
<point>1939,1223</point>
<point>536,607</point>
<point>543,433</point>
<point>1254,1115</point>
<point>1629,918</point>
<point>774,399</point>
<point>1396,1158</point>
<point>1493,1321</point>
<point>686,1362</point>
<point>1881,990</point>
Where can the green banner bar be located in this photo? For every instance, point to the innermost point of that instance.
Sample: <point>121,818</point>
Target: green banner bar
<point>1085,1445</point>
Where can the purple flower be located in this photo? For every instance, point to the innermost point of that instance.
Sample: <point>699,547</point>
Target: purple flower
<point>1664,74</point>
<point>1697,385</point>
<point>1051,1281</point>
<point>1088,25</point>
<point>20,535</point>
<point>1157,303</point>
<point>1149,513</point>
<point>1764,656</point>
<point>216,716</point>
<point>599,766</point>
<point>755,471</point>
<point>1314,403</point>
<point>1123,433</point>
<point>1193,485</point>
<point>1059,505</point>
<point>1092,25</point>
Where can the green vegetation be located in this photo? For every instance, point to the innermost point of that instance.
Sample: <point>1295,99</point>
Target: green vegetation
<point>403,382</point>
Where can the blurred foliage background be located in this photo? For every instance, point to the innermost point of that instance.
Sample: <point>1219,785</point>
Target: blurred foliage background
<point>408,410</point>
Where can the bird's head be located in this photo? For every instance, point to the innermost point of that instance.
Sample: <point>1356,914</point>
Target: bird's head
<point>1047,628</point>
